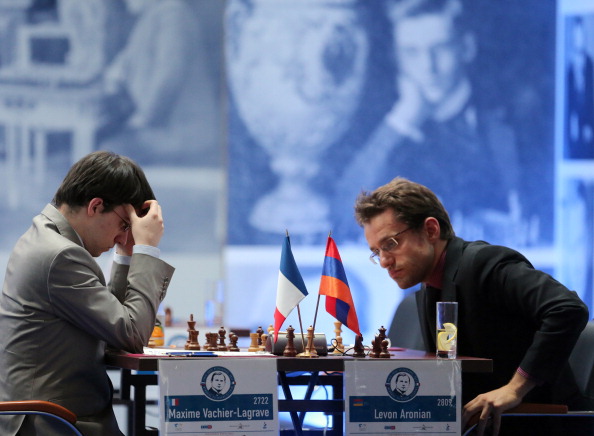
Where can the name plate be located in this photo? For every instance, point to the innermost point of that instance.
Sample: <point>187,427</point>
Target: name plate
<point>403,397</point>
<point>222,396</point>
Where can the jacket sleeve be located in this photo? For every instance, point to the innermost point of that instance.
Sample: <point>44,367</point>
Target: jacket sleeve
<point>557,314</point>
<point>124,320</point>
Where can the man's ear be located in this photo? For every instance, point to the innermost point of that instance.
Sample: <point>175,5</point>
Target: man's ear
<point>432,228</point>
<point>95,206</point>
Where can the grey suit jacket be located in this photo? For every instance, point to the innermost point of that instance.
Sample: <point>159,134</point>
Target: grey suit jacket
<point>57,315</point>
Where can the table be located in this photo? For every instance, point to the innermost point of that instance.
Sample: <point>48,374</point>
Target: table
<point>331,366</point>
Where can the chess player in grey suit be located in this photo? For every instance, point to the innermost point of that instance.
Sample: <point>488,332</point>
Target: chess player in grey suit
<point>58,313</point>
<point>522,318</point>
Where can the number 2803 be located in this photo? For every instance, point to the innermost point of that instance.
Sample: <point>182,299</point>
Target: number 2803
<point>444,402</point>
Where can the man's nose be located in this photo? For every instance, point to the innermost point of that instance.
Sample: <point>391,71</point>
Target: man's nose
<point>122,237</point>
<point>385,259</point>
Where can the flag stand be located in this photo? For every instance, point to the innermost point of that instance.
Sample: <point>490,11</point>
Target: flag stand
<point>310,350</point>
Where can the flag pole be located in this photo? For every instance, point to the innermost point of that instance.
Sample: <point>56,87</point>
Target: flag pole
<point>318,303</point>
<point>299,311</point>
<point>301,327</point>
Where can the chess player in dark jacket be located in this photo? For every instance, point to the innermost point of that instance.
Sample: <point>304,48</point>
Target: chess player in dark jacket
<point>522,318</point>
<point>58,313</point>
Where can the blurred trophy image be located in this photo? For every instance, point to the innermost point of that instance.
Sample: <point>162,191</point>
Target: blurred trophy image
<point>295,101</point>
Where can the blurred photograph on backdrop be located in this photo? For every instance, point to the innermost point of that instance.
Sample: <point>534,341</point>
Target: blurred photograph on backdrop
<point>142,78</point>
<point>329,98</point>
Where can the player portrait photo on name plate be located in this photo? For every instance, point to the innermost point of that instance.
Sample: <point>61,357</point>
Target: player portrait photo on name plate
<point>402,384</point>
<point>218,383</point>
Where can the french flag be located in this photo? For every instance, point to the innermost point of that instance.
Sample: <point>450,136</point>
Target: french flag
<point>290,289</point>
<point>175,402</point>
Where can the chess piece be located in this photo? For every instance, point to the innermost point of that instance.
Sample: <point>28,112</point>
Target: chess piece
<point>168,317</point>
<point>290,350</point>
<point>211,338</point>
<point>264,338</point>
<point>376,347</point>
<point>270,329</point>
<point>382,334</point>
<point>222,334</point>
<point>339,347</point>
<point>384,354</point>
<point>254,342</point>
<point>233,342</point>
<point>192,342</point>
<point>337,328</point>
<point>310,349</point>
<point>358,349</point>
<point>260,332</point>
<point>191,325</point>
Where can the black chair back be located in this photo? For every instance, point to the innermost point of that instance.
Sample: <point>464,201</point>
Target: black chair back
<point>405,330</point>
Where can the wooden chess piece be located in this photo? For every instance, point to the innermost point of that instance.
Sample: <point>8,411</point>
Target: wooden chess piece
<point>233,338</point>
<point>212,341</point>
<point>270,329</point>
<point>310,349</point>
<point>192,342</point>
<point>168,317</point>
<point>254,342</point>
<point>382,333</point>
<point>264,338</point>
<point>260,332</point>
<point>290,350</point>
<point>337,328</point>
<point>376,347</point>
<point>385,354</point>
<point>222,335</point>
<point>381,336</point>
<point>339,347</point>
<point>358,349</point>
<point>191,324</point>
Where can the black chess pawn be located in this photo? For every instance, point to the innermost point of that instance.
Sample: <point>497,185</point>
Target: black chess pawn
<point>233,342</point>
<point>222,335</point>
<point>260,332</point>
<point>358,349</point>
<point>290,350</point>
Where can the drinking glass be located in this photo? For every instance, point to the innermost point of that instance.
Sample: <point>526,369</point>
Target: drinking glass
<point>447,329</point>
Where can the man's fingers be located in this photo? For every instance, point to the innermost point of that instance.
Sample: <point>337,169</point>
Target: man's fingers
<point>484,419</point>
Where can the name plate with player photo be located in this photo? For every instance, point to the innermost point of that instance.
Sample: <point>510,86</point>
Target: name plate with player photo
<point>403,397</point>
<point>222,396</point>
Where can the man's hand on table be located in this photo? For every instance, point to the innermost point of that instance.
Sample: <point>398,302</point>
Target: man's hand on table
<point>491,405</point>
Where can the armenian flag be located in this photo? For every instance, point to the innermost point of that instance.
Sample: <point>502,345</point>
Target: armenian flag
<point>334,285</point>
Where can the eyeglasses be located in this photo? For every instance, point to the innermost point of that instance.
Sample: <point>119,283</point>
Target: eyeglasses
<point>126,224</point>
<point>387,247</point>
